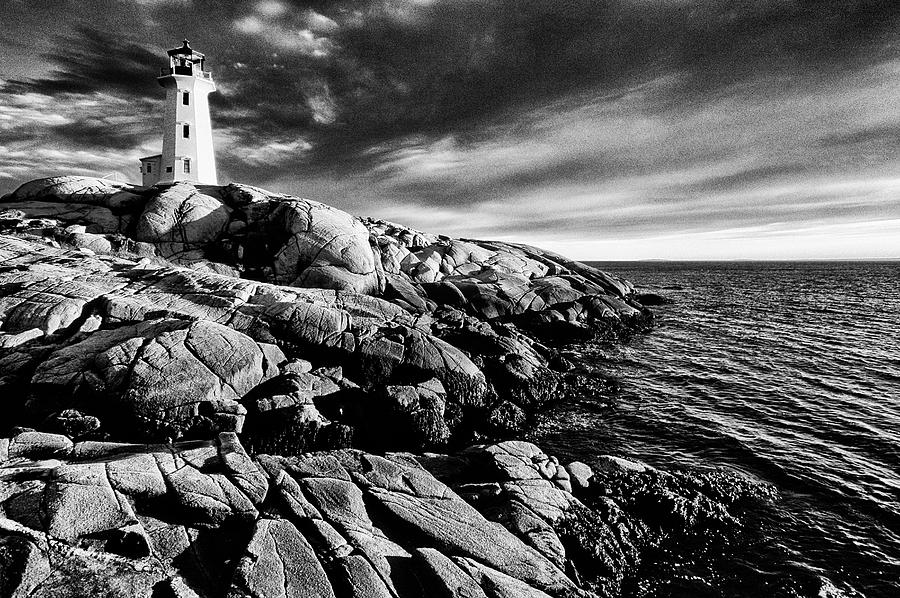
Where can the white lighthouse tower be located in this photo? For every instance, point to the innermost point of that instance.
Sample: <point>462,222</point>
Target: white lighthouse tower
<point>187,152</point>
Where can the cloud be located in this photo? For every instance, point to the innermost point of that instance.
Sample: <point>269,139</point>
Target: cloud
<point>634,165</point>
<point>304,32</point>
<point>877,239</point>
<point>21,162</point>
<point>273,153</point>
<point>87,62</point>
<point>318,22</point>
<point>159,3</point>
<point>27,110</point>
<point>599,119</point>
<point>271,8</point>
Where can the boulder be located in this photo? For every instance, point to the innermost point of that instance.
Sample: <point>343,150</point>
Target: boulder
<point>164,375</point>
<point>322,247</point>
<point>181,214</point>
<point>278,562</point>
<point>412,415</point>
<point>238,230</point>
<point>37,445</point>
<point>79,190</point>
<point>79,501</point>
<point>173,352</point>
<point>205,518</point>
<point>497,583</point>
<point>580,474</point>
<point>470,314</point>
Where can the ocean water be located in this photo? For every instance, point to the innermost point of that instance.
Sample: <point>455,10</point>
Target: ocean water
<point>787,373</point>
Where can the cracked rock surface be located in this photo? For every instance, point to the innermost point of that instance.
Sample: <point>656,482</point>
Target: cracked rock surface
<point>339,523</point>
<point>206,388</point>
<point>218,391</point>
<point>171,351</point>
<point>205,518</point>
<point>251,233</point>
<point>180,311</point>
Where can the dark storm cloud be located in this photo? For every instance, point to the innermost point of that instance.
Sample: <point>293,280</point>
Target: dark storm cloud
<point>391,70</point>
<point>573,115</point>
<point>445,63</point>
<point>86,61</point>
<point>122,136</point>
<point>388,69</point>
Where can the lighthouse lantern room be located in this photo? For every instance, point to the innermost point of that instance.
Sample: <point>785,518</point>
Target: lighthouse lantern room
<point>187,151</point>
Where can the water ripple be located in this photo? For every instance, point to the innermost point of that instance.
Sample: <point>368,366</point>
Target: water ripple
<point>787,372</point>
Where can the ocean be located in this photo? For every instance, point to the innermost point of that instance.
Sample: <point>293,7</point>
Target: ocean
<point>786,373</point>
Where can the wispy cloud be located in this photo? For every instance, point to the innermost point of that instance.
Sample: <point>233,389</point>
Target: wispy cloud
<point>691,122</point>
<point>303,32</point>
<point>273,153</point>
<point>28,110</point>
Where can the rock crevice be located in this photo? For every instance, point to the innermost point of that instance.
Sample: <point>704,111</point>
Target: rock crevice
<point>218,381</point>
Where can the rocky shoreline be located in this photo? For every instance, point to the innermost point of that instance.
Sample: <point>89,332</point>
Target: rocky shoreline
<point>204,518</point>
<point>221,391</point>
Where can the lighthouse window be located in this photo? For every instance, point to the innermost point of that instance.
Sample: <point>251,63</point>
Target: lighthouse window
<point>187,165</point>
<point>149,168</point>
<point>186,131</point>
<point>186,98</point>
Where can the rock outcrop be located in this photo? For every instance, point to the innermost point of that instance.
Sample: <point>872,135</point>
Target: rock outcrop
<point>175,360</point>
<point>232,229</point>
<point>204,518</point>
<point>184,310</point>
<point>170,351</point>
<point>247,232</point>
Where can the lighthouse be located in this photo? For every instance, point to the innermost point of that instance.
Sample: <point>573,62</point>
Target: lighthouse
<point>187,150</point>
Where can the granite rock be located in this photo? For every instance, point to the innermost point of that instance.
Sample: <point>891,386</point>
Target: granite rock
<point>206,518</point>
<point>112,293</point>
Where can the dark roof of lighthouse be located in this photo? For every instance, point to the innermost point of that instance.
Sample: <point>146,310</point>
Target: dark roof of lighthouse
<point>186,50</point>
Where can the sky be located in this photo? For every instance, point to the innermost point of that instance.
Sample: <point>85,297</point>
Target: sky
<point>603,129</point>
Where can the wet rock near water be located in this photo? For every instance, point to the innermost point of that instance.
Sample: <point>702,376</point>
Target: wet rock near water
<point>206,518</point>
<point>181,311</point>
<point>206,389</point>
<point>156,351</point>
<point>652,299</point>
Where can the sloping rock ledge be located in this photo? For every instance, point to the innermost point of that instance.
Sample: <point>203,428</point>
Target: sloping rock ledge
<point>181,355</point>
<point>204,518</point>
<point>180,311</point>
